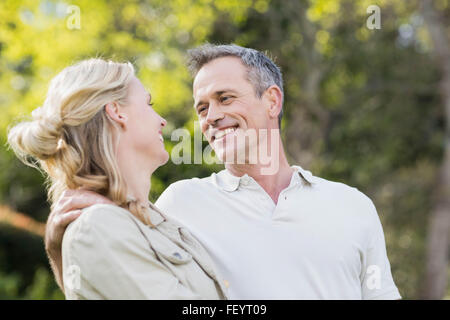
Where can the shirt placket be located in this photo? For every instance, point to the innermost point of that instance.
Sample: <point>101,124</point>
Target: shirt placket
<point>286,193</point>
<point>258,195</point>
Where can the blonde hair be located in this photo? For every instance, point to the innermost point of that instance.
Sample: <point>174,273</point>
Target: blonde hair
<point>71,136</point>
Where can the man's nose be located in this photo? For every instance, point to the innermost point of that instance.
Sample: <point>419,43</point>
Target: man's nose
<point>214,114</point>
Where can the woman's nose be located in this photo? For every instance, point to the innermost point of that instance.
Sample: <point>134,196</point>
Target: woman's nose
<point>163,122</point>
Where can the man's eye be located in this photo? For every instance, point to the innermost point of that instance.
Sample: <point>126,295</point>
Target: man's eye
<point>225,98</point>
<point>201,109</point>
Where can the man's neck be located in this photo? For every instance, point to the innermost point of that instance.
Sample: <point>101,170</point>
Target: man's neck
<point>273,184</point>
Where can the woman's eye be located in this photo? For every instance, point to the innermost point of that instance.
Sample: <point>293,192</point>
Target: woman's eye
<point>150,104</point>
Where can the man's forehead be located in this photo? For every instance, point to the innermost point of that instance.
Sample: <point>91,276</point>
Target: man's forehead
<point>221,74</point>
<point>215,87</point>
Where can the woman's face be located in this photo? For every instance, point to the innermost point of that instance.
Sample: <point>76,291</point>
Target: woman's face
<point>143,127</point>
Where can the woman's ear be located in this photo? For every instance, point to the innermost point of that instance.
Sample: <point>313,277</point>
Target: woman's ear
<point>275,98</point>
<point>115,113</point>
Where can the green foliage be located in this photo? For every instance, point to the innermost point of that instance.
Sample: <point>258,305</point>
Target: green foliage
<point>364,104</point>
<point>361,106</point>
<point>9,286</point>
<point>43,287</point>
<point>24,271</point>
<point>21,253</point>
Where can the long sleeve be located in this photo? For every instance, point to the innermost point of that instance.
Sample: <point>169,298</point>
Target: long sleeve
<point>105,256</point>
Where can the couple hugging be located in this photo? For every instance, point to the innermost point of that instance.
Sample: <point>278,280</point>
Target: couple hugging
<point>245,232</point>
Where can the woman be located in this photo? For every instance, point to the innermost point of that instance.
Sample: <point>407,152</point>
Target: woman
<point>97,131</point>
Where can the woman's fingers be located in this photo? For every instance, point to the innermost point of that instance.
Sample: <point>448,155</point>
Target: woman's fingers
<point>55,228</point>
<point>65,211</point>
<point>79,199</point>
<point>66,218</point>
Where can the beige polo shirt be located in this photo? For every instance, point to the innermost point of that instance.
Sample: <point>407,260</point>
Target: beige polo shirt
<point>322,240</point>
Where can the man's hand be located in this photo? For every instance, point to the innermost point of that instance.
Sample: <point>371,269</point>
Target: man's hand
<point>66,210</point>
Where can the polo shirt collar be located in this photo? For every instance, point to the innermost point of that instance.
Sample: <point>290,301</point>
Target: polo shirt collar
<point>225,180</point>
<point>229,182</point>
<point>305,174</point>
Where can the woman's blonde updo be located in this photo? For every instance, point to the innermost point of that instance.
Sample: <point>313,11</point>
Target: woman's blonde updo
<point>71,136</point>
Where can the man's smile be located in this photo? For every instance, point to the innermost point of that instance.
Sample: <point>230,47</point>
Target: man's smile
<point>219,134</point>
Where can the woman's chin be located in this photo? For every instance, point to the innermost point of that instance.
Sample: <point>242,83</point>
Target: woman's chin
<point>164,158</point>
<point>157,159</point>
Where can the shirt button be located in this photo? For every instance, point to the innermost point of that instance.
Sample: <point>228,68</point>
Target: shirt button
<point>177,255</point>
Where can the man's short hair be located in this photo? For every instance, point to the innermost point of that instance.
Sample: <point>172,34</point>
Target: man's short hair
<point>262,71</point>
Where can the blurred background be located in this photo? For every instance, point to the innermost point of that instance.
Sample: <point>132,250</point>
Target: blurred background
<point>367,103</point>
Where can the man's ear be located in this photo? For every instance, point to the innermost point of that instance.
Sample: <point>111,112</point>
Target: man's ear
<point>113,110</point>
<point>274,96</point>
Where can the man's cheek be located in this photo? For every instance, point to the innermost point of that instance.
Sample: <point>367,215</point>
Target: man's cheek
<point>204,130</point>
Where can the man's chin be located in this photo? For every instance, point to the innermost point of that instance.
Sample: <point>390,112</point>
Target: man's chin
<point>220,154</point>
<point>228,156</point>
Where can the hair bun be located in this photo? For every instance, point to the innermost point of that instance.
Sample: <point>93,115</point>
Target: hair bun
<point>39,138</point>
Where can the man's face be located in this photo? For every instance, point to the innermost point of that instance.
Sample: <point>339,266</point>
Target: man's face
<point>227,106</point>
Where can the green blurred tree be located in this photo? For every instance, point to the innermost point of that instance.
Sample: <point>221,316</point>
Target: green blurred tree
<point>437,16</point>
<point>361,106</point>
<point>39,38</point>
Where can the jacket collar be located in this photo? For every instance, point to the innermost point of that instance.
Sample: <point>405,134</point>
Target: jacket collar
<point>229,182</point>
<point>174,230</point>
<point>156,216</point>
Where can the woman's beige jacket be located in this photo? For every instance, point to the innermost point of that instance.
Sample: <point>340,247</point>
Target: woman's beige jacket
<point>109,254</point>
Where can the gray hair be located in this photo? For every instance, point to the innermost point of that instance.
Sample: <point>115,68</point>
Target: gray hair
<point>262,71</point>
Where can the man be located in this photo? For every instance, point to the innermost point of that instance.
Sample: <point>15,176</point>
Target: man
<point>275,231</point>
